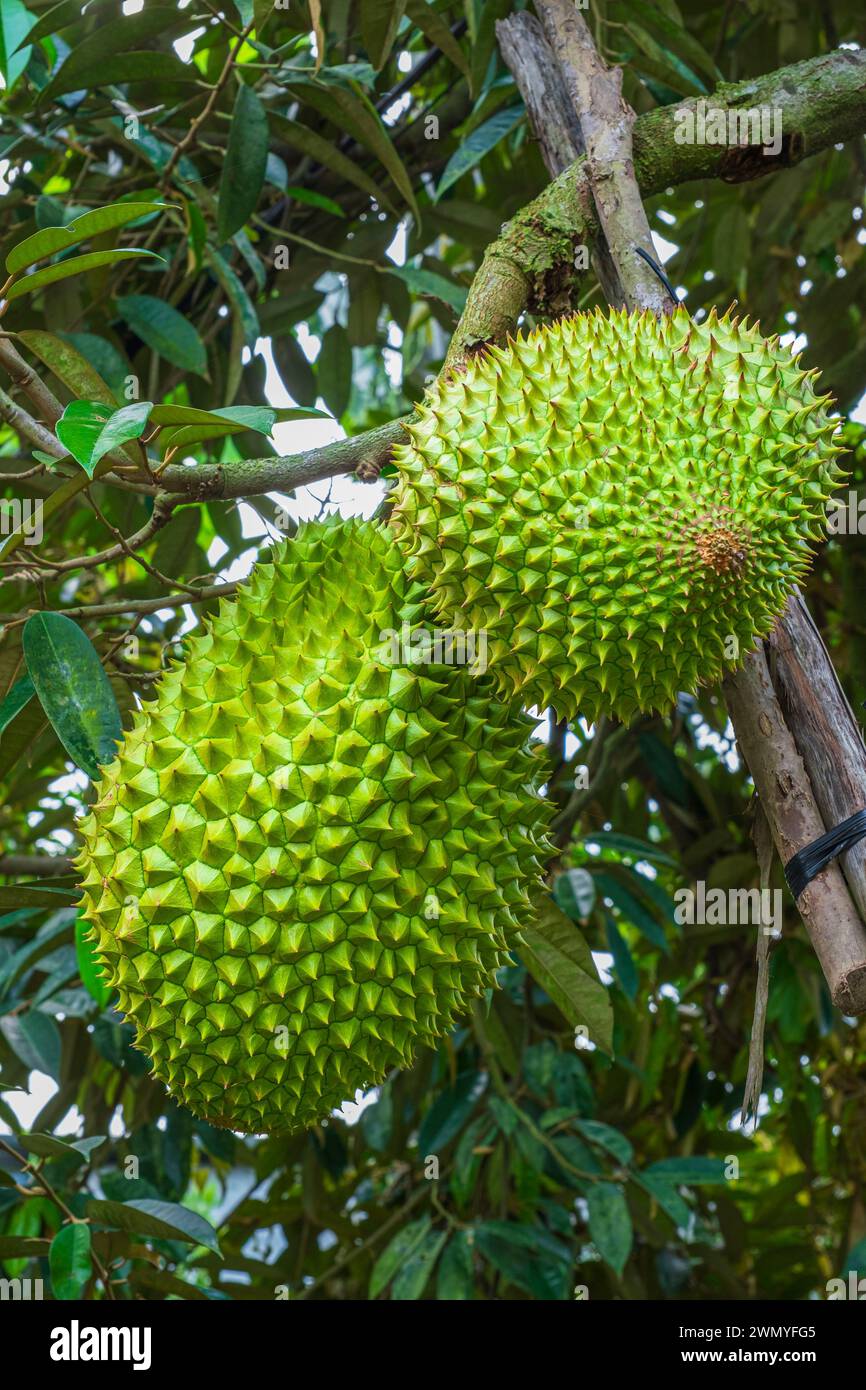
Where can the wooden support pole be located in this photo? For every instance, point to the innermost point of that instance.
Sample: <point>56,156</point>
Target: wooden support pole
<point>768,746</point>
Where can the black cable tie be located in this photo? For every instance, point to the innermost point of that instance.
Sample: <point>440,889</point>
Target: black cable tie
<point>659,272</point>
<point>808,862</point>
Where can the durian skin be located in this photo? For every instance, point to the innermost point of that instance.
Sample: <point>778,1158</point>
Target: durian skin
<point>622,503</point>
<point>270,847</point>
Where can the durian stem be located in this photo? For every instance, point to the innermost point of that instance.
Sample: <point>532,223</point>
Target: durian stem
<point>767,745</point>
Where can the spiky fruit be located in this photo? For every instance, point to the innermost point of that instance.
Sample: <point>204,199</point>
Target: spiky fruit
<point>307,858</point>
<point>621,503</point>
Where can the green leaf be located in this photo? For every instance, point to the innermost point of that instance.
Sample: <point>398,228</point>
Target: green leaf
<point>53,239</point>
<point>455,1279</point>
<point>89,968</point>
<point>162,1220</point>
<point>69,1261</point>
<point>85,69</point>
<point>395,1253</point>
<point>59,17</point>
<point>574,892</point>
<point>243,171</point>
<point>628,844</point>
<point>129,422</point>
<point>20,695</point>
<point>623,961</point>
<point>334,369</point>
<point>352,111</point>
<point>377,1120</point>
<point>49,1146</point>
<point>79,428</point>
<point>473,149</point>
<point>75,265</point>
<point>556,955</point>
<point>240,301</point>
<point>527,1256</point>
<point>165,331</point>
<point>325,152</point>
<point>654,17</point>
<point>68,365</point>
<point>73,689</point>
<point>607,1138</point>
<point>380,20</point>
<point>104,357</point>
<point>664,1192</point>
<point>436,29</point>
<point>633,911</point>
<point>16,23</point>
<point>690,1171</point>
<point>295,371</point>
<point>856,1259</point>
<point>232,419</point>
<point>450,1111</point>
<point>610,1225</point>
<point>411,1278</point>
<point>314,200</point>
<point>664,65</point>
<point>35,1039</point>
<point>427,282</point>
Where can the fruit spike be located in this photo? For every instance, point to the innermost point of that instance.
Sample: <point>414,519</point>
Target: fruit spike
<point>650,488</point>
<point>309,856</point>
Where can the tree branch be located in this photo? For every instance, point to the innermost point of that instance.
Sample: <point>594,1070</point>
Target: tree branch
<point>38,865</point>
<point>821,102</point>
<point>552,117</point>
<point>284,474</point>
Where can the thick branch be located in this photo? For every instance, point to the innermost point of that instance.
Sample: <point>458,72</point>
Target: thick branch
<point>26,380</point>
<point>551,117</point>
<point>821,102</point>
<point>607,123</point>
<point>37,865</point>
<point>283,474</point>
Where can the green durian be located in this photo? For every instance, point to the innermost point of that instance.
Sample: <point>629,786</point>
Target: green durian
<point>622,504</point>
<point>308,857</point>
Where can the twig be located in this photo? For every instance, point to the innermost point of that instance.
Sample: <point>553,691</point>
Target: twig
<point>183,145</point>
<point>146,605</point>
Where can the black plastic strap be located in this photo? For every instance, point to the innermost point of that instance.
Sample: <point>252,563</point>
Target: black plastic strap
<point>659,272</point>
<point>808,862</point>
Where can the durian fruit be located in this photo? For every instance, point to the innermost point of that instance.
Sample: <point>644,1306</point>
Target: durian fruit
<point>621,503</point>
<point>308,857</point>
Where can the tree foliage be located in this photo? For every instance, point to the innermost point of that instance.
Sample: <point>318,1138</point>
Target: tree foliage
<point>192,188</point>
